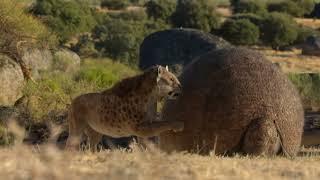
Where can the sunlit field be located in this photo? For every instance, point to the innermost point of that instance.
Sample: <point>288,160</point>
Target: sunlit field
<point>21,162</point>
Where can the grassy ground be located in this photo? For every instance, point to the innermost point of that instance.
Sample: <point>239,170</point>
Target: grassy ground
<point>27,163</point>
<point>292,61</point>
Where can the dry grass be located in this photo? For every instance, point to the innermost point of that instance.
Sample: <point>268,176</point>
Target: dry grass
<point>28,163</point>
<point>313,23</point>
<point>292,61</point>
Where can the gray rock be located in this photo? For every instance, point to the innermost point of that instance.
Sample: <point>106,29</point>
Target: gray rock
<point>66,60</point>
<point>11,81</point>
<point>311,46</point>
<point>38,60</point>
<point>177,47</point>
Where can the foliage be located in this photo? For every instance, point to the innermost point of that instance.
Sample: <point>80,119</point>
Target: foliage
<point>115,4</point>
<point>240,32</point>
<point>250,6</point>
<point>18,29</point>
<point>66,18</point>
<point>297,8</point>
<point>279,30</point>
<point>103,77</point>
<point>304,32</point>
<point>308,86</point>
<point>288,7</point>
<point>120,38</point>
<point>135,15</point>
<point>54,91</point>
<point>306,5</point>
<point>253,18</point>
<point>198,14</point>
<point>85,47</point>
<point>160,9</point>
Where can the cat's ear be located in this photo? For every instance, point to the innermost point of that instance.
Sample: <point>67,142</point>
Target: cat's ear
<point>167,68</point>
<point>159,71</point>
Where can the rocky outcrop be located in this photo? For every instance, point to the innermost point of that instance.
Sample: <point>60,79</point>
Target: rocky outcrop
<point>312,46</point>
<point>11,81</point>
<point>177,47</point>
<point>66,61</point>
<point>37,60</point>
<point>235,101</point>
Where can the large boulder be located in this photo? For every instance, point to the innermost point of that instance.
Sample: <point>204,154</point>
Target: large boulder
<point>66,60</point>
<point>311,46</point>
<point>235,101</point>
<point>177,47</point>
<point>12,81</point>
<point>37,60</point>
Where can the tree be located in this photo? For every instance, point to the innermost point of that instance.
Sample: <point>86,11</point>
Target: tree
<point>160,9</point>
<point>240,32</point>
<point>297,8</point>
<point>250,6</point>
<point>115,4</point>
<point>279,30</point>
<point>288,7</point>
<point>18,30</point>
<point>66,18</point>
<point>198,14</point>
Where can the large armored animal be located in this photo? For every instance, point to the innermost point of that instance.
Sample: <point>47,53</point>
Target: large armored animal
<point>235,101</point>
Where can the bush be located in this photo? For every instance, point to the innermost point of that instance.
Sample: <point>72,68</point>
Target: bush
<point>304,32</point>
<point>120,38</point>
<point>240,32</point>
<point>115,4</point>
<point>253,18</point>
<point>308,86</point>
<point>288,7</point>
<point>66,18</point>
<point>250,6</point>
<point>297,8</point>
<point>198,14</point>
<point>85,47</point>
<point>306,5</point>
<point>279,30</point>
<point>54,91</point>
<point>19,29</point>
<point>160,9</point>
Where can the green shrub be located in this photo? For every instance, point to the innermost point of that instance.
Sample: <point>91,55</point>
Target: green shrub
<point>115,4</point>
<point>297,8</point>
<point>288,7</point>
<point>240,32</point>
<point>304,32</point>
<point>160,9</point>
<point>279,30</point>
<point>254,18</point>
<point>85,47</point>
<point>19,29</point>
<point>250,6</point>
<point>135,15</point>
<point>66,18</point>
<point>120,39</point>
<point>308,87</point>
<point>306,5</point>
<point>54,91</point>
<point>198,14</point>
